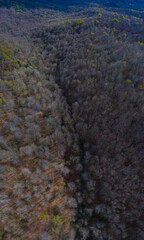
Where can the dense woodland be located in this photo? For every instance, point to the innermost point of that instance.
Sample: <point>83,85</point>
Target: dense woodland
<point>131,7</point>
<point>71,124</point>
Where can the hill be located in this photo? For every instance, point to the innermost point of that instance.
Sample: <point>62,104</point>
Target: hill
<point>130,6</point>
<point>71,124</point>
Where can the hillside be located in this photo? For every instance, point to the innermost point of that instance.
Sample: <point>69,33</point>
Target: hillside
<point>132,7</point>
<point>71,124</point>
<point>55,4</point>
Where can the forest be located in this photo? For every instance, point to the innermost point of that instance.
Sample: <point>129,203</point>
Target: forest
<point>71,120</point>
<point>128,6</point>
